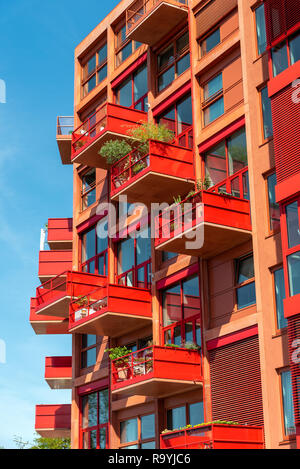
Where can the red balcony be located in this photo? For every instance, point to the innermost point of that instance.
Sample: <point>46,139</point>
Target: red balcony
<point>53,421</point>
<point>52,263</point>
<point>58,372</point>
<point>64,129</point>
<point>166,170</point>
<point>60,233</point>
<point>214,436</point>
<point>53,297</point>
<point>42,324</point>
<point>148,21</point>
<point>109,122</point>
<point>157,371</point>
<point>210,222</point>
<point>111,310</point>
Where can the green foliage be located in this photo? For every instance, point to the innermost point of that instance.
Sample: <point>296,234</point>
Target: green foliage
<point>150,131</point>
<point>204,424</point>
<point>191,346</point>
<point>118,352</point>
<point>114,150</point>
<point>51,443</point>
<point>177,199</point>
<point>204,184</point>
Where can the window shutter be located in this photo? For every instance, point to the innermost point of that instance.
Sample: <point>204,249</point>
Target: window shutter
<point>236,382</point>
<point>211,14</point>
<point>281,15</point>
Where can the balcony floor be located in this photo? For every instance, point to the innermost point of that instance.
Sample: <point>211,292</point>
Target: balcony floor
<point>58,308</point>
<point>157,387</point>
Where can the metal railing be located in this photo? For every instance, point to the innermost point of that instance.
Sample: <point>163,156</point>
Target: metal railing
<point>139,363</point>
<point>128,167</point>
<point>65,125</point>
<point>138,276</point>
<point>236,185</point>
<point>56,286</point>
<point>87,305</point>
<point>95,124</point>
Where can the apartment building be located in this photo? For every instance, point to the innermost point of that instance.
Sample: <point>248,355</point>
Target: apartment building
<point>211,330</point>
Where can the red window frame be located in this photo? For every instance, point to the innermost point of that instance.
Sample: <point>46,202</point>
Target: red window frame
<point>85,77</point>
<point>174,125</point>
<point>120,45</point>
<point>142,100</point>
<point>97,427</point>
<point>285,38</point>
<point>85,266</point>
<point>192,319</point>
<point>287,251</point>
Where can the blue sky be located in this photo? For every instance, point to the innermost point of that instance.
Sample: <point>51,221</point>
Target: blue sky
<point>37,41</point>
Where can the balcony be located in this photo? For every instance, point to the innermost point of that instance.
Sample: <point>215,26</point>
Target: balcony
<point>64,129</point>
<point>214,436</point>
<point>109,122</point>
<point>53,421</point>
<point>42,324</point>
<point>58,372</point>
<point>111,310</point>
<point>53,297</point>
<point>166,170</point>
<point>157,371</point>
<point>52,263</point>
<point>148,21</point>
<point>60,233</point>
<point>209,223</point>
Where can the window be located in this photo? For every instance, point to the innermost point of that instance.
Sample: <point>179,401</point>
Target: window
<point>88,350</point>
<point>168,255</point>
<point>94,250</point>
<point>286,53</point>
<point>213,104</point>
<point>211,41</point>
<point>181,312</point>
<point>94,420</point>
<point>124,47</point>
<point>133,92</point>
<point>139,432</point>
<point>88,194</point>
<point>260,29</point>
<point>188,414</point>
<point>140,344</point>
<point>245,290</point>
<point>292,222</point>
<point>179,117</point>
<point>274,211</point>
<point>266,113</point>
<point>291,242</point>
<point>94,70</point>
<point>287,403</point>
<point>173,61</point>
<point>134,260</point>
<point>279,297</point>
<point>227,157</point>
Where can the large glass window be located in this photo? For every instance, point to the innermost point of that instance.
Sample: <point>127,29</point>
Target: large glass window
<point>294,44</point>
<point>227,157</point>
<point>266,113</point>
<point>245,290</point>
<point>286,53</point>
<point>287,402</point>
<point>181,312</point>
<point>94,420</point>
<point>94,250</point>
<point>134,260</point>
<point>133,92</point>
<point>261,29</point>
<point>210,42</point>
<point>213,104</point>
<point>279,297</point>
<point>139,432</point>
<point>173,61</point>
<point>274,211</point>
<point>188,414</point>
<point>179,117</point>
<point>88,194</point>
<point>94,70</point>
<point>293,261</point>
<point>88,350</point>
<point>292,222</point>
<point>124,47</point>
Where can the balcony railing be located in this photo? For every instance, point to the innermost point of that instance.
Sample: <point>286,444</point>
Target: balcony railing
<point>219,218</point>
<point>157,371</point>
<point>108,122</point>
<point>65,125</point>
<point>214,436</point>
<point>183,132</point>
<point>143,15</point>
<point>166,169</point>
<point>111,310</point>
<point>138,276</point>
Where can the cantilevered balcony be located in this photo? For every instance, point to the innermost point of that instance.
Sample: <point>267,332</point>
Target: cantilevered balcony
<point>52,263</point>
<point>155,177</point>
<point>157,371</point>
<point>53,421</point>
<point>148,21</point>
<point>64,129</point>
<point>214,436</point>
<point>208,223</point>
<point>58,372</point>
<point>53,297</point>
<point>60,233</point>
<point>109,122</point>
<point>111,310</point>
<point>43,324</point>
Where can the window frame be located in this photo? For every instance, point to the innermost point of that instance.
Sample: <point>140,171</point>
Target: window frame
<point>177,124</point>
<point>206,103</point>
<point>270,137</point>
<point>172,63</point>
<point>139,441</point>
<point>204,38</point>
<point>119,46</point>
<point>283,39</point>
<point>237,286</point>
<point>270,231</point>
<point>99,66</point>
<point>187,413</point>
<point>282,330</point>
<point>85,194</point>
<point>97,427</point>
<point>142,99</point>
<point>259,54</point>
<point>97,256</point>
<point>280,372</point>
<point>287,251</point>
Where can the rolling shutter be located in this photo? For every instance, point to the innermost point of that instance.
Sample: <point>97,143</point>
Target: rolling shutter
<point>281,15</point>
<point>236,382</point>
<point>211,14</point>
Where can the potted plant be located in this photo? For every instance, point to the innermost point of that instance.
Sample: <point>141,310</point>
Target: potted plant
<point>114,150</point>
<point>147,131</point>
<point>118,354</point>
